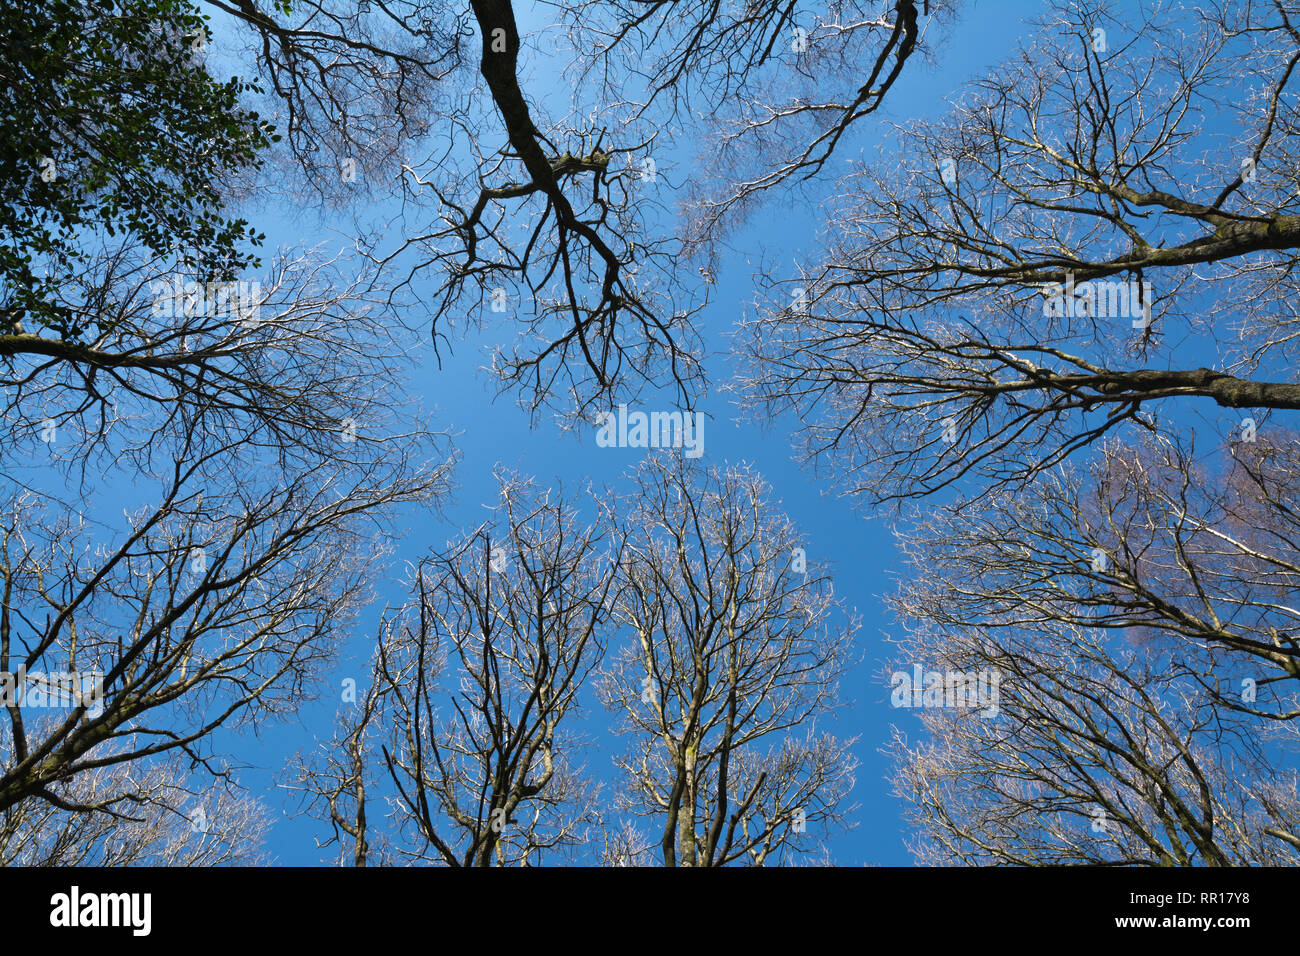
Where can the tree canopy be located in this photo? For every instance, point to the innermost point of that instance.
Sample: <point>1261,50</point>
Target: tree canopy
<point>1043,333</point>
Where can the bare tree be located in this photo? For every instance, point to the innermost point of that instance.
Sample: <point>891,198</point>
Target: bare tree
<point>305,362</point>
<point>732,652</point>
<point>151,818</point>
<point>1184,556</point>
<point>626,845</point>
<point>1053,259</point>
<point>336,783</point>
<point>1138,612</point>
<point>214,607</point>
<point>255,434</point>
<point>1101,752</point>
<point>554,224</point>
<point>474,686</point>
<point>262,441</point>
<point>546,224</point>
<point>565,223</point>
<point>765,90</point>
<point>1010,286</point>
<point>352,87</point>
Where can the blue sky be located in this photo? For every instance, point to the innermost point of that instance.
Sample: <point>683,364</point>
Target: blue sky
<point>489,431</point>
